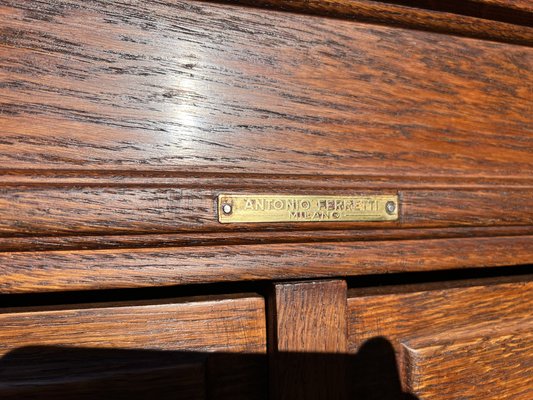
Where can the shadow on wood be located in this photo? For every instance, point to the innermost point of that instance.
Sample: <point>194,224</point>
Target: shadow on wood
<point>54,372</point>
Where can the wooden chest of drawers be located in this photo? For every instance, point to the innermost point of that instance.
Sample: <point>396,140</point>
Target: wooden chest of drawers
<point>121,124</point>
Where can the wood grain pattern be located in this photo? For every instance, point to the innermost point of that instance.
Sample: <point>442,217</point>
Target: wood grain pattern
<point>449,338</point>
<point>429,311</point>
<point>501,20</point>
<point>524,5</point>
<point>100,210</point>
<point>219,324</point>
<point>47,243</point>
<point>121,122</point>
<point>457,207</point>
<point>233,181</point>
<point>105,269</point>
<point>307,318</point>
<point>90,341</point>
<point>187,86</point>
<point>310,317</point>
<point>495,364</point>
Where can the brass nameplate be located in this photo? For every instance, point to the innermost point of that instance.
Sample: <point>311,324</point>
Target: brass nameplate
<point>245,208</point>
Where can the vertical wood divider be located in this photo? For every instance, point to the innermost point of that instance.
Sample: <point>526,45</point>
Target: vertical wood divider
<point>308,340</point>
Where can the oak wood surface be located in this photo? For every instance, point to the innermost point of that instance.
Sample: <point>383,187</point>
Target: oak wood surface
<point>501,20</point>
<point>128,268</point>
<point>100,210</point>
<point>423,310</point>
<point>524,5</point>
<point>191,86</point>
<point>310,317</point>
<point>46,243</point>
<point>467,340</point>
<point>496,364</point>
<point>178,210</point>
<point>135,128</point>
<point>120,123</point>
<point>307,318</point>
<point>100,345</point>
<point>220,324</point>
<point>132,178</point>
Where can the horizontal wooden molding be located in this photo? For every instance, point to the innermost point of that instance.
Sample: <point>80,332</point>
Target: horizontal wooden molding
<point>523,5</point>
<point>499,20</point>
<point>25,272</point>
<point>139,178</point>
<point>78,210</point>
<point>95,242</point>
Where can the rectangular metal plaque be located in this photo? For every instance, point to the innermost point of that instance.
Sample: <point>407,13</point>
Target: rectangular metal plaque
<point>245,208</point>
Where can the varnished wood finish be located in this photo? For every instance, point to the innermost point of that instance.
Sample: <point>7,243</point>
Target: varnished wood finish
<point>105,269</point>
<point>308,317</point>
<point>234,324</point>
<point>452,341</point>
<point>474,147</point>
<point>502,20</point>
<point>492,364</point>
<point>155,87</point>
<point>120,124</point>
<point>523,5</point>
<point>149,122</point>
<point>99,210</point>
<point>406,311</point>
<point>44,243</point>
<point>25,178</point>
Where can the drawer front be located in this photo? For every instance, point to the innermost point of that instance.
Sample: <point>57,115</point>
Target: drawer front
<point>469,342</point>
<point>117,143</point>
<point>136,349</point>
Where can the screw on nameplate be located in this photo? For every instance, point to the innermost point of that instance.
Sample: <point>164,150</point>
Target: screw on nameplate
<point>226,208</point>
<point>250,208</point>
<point>390,207</point>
